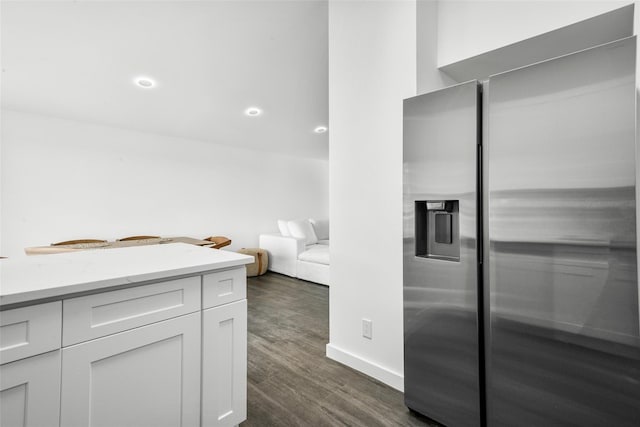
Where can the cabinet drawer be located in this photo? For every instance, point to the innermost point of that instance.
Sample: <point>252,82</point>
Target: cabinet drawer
<point>27,331</point>
<point>223,287</point>
<point>98,315</point>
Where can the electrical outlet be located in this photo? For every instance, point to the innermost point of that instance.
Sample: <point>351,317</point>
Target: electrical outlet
<point>367,328</point>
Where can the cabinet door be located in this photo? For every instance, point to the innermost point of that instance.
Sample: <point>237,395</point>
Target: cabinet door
<point>30,391</point>
<point>148,376</point>
<point>224,365</point>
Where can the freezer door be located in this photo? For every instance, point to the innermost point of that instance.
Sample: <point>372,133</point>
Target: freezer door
<point>440,255</point>
<point>560,155</point>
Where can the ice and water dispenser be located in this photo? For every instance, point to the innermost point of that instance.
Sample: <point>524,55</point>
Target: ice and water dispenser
<point>437,229</point>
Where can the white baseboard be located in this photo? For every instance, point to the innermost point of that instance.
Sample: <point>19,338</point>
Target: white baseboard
<point>391,378</point>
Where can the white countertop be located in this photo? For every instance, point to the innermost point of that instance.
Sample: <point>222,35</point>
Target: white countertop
<point>32,278</point>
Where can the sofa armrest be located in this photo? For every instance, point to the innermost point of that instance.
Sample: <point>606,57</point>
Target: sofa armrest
<point>283,252</point>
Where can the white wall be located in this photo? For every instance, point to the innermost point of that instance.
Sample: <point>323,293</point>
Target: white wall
<point>428,76</point>
<point>471,27</point>
<point>372,68</point>
<point>64,179</point>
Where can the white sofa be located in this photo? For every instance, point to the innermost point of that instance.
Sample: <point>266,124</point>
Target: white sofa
<point>300,249</point>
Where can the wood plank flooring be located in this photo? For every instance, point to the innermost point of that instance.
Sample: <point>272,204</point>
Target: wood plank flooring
<point>290,380</point>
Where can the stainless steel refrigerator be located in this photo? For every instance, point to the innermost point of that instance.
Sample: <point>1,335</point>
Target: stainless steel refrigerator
<point>520,276</point>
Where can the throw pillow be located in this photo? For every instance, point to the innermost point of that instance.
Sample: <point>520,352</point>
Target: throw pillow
<point>284,227</point>
<point>321,227</point>
<point>302,229</point>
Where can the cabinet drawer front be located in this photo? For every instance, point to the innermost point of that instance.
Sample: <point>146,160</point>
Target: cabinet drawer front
<point>31,330</point>
<point>223,287</point>
<point>98,315</point>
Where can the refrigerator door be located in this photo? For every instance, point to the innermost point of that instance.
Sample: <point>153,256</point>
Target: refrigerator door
<point>563,347</point>
<point>440,255</point>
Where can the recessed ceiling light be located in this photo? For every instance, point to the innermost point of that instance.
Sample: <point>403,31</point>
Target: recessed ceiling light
<point>145,82</point>
<point>253,111</point>
<point>320,129</point>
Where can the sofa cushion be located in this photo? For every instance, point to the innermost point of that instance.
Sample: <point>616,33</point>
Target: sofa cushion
<point>302,229</point>
<point>323,242</point>
<point>316,253</point>
<point>283,226</point>
<point>321,227</point>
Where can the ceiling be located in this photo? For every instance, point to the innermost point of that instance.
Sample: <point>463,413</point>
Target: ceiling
<point>211,60</point>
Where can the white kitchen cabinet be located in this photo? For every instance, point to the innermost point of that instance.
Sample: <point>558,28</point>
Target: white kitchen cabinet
<point>224,365</point>
<point>120,342</point>
<point>30,391</point>
<point>147,376</point>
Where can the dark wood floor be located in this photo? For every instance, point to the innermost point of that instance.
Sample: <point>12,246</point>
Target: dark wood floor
<point>291,382</point>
